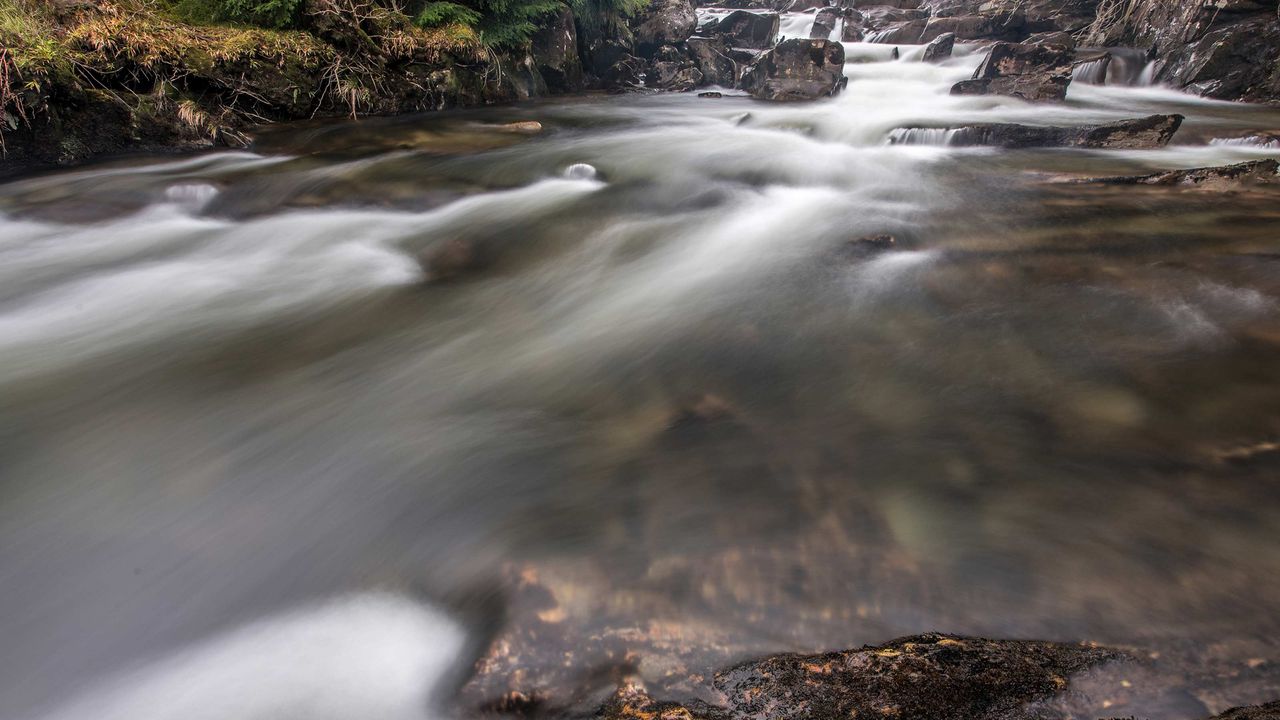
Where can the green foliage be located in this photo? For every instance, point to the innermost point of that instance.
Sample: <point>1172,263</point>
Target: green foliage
<point>441,14</point>
<point>276,14</point>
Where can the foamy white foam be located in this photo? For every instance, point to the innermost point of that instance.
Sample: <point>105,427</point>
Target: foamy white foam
<point>375,655</point>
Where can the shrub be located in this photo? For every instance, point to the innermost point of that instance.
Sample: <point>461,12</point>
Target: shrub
<point>276,14</point>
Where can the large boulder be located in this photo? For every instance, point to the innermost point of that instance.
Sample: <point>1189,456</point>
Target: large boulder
<point>740,28</point>
<point>664,22</point>
<point>825,22</point>
<point>1000,26</point>
<point>798,69</point>
<point>1143,133</point>
<point>1030,72</point>
<point>554,48</point>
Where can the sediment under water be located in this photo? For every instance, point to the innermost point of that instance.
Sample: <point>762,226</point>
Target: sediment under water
<point>227,394</point>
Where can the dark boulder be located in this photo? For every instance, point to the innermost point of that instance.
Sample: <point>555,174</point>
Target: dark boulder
<point>675,75</point>
<point>798,69</point>
<point>1030,72</point>
<point>664,22</point>
<point>825,22</point>
<point>940,48</point>
<point>744,29</point>
<point>1003,26</point>
<point>1154,131</point>
<point>939,677</point>
<point>715,60</point>
<point>554,48</point>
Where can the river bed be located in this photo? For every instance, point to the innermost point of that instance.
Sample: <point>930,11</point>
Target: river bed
<point>661,386</point>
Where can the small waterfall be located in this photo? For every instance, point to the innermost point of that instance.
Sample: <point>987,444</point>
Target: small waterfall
<point>939,137</point>
<point>880,36</point>
<point>1127,67</point>
<point>1268,142</point>
<point>1092,72</point>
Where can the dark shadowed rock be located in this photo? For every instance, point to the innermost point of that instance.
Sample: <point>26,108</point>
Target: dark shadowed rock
<point>554,48</point>
<point>664,22</point>
<point>747,29</point>
<point>1030,72</point>
<point>715,60</point>
<point>798,69</point>
<point>678,76</point>
<point>939,677</point>
<point>1226,178</point>
<point>940,48</point>
<point>998,26</point>
<point>825,22</point>
<point>1150,132</point>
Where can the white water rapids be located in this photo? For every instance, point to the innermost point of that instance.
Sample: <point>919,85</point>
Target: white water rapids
<point>226,393</point>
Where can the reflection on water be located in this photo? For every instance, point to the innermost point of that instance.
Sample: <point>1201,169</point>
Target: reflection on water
<point>667,391</point>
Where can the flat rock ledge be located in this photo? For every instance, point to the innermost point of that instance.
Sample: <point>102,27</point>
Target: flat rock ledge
<point>1154,131</point>
<point>1226,178</point>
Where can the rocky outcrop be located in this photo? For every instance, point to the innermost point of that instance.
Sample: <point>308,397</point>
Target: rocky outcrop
<point>1227,178</point>
<point>554,50</point>
<point>672,69</point>
<point>1270,711</point>
<point>740,28</point>
<point>664,22</point>
<point>798,69</point>
<point>1227,49</point>
<point>1154,131</point>
<point>1030,72</point>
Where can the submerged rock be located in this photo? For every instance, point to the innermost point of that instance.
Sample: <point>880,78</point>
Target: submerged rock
<point>798,69</point>
<point>1030,72</point>
<point>1229,177</point>
<point>1150,132</point>
<point>934,676</point>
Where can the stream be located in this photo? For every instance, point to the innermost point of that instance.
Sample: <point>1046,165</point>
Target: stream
<point>256,462</point>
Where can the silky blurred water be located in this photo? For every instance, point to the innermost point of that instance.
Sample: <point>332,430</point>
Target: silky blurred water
<point>229,392</point>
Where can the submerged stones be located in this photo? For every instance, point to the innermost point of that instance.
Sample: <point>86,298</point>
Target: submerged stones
<point>935,676</point>
<point>1150,132</point>
<point>1030,72</point>
<point>798,69</point>
<point>1225,178</point>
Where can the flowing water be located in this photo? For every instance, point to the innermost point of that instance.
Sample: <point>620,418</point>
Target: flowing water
<point>257,464</point>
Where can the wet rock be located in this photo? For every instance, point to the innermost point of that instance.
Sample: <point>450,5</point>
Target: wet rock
<point>908,32</point>
<point>866,246</point>
<point>744,29</point>
<point>940,677</point>
<point>1226,49</point>
<point>1149,132</point>
<point>1030,72</point>
<point>1060,38</point>
<point>825,22</point>
<point>1270,711</point>
<point>677,76</point>
<point>628,72</point>
<point>664,22</point>
<point>524,127</point>
<point>710,94</point>
<point>715,61</point>
<point>1005,26</point>
<point>940,48</point>
<point>632,702</point>
<point>554,49</point>
<point>1226,178</point>
<point>798,69</point>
